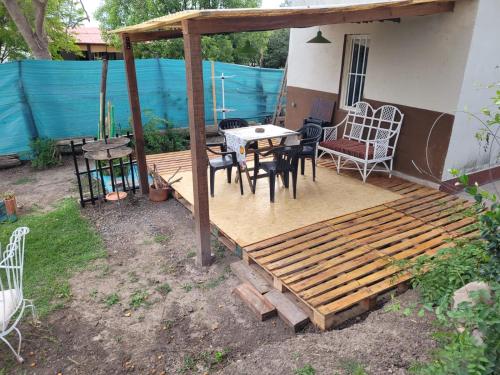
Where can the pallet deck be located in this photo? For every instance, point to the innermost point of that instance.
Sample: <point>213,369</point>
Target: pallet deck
<point>339,268</point>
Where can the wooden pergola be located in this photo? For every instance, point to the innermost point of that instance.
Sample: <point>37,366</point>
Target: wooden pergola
<point>191,25</point>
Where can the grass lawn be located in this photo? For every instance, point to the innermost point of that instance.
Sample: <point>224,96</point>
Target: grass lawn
<point>59,243</point>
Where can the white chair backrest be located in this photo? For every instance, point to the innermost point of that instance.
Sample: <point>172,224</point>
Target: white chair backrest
<point>358,119</point>
<point>387,121</point>
<point>11,275</point>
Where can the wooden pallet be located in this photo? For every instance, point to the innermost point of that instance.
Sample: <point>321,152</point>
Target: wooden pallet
<point>339,268</point>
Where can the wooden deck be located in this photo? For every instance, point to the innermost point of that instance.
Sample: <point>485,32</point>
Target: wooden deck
<point>339,268</point>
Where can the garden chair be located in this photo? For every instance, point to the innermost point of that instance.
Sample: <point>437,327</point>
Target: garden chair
<point>12,302</point>
<point>285,161</point>
<point>226,160</point>
<point>369,138</point>
<point>310,136</point>
<point>231,123</point>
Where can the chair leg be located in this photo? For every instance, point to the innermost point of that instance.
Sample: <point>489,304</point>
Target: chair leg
<point>338,165</point>
<point>240,179</point>
<point>254,180</point>
<point>390,170</point>
<point>294,184</point>
<point>314,167</point>
<point>229,172</point>
<point>212,181</point>
<point>16,354</point>
<point>364,174</point>
<point>302,165</point>
<point>272,182</point>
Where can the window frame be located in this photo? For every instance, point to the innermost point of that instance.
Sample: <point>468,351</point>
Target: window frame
<point>347,71</point>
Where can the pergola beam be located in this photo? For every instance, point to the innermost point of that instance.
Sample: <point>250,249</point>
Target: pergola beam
<point>257,23</point>
<point>147,36</point>
<point>196,112</point>
<point>135,108</point>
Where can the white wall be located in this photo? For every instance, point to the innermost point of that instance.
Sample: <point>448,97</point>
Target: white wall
<point>482,69</point>
<point>418,62</point>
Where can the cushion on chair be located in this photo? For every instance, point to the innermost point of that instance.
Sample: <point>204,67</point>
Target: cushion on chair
<point>349,147</point>
<point>8,304</point>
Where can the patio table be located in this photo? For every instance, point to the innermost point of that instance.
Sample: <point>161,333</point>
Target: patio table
<point>239,139</point>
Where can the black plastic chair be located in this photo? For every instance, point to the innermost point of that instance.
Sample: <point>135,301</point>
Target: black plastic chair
<point>310,136</point>
<point>285,162</point>
<point>235,123</point>
<point>232,123</point>
<point>227,161</point>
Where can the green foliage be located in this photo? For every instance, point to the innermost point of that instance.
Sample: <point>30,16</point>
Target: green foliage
<point>277,49</point>
<point>44,153</point>
<point>306,370</point>
<point>352,367</point>
<point>111,299</point>
<point>239,48</point>
<point>60,242</point>
<point>61,15</point>
<point>138,299</point>
<point>160,135</point>
<point>437,278</point>
<point>164,289</point>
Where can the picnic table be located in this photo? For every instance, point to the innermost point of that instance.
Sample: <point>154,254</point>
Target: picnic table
<point>239,139</point>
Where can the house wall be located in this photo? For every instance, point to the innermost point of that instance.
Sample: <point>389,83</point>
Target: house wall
<point>482,69</point>
<point>417,65</point>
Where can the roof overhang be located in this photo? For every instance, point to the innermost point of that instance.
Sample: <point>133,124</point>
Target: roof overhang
<point>221,21</point>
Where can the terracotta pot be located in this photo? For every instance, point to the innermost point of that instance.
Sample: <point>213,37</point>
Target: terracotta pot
<point>158,195</point>
<point>10,206</point>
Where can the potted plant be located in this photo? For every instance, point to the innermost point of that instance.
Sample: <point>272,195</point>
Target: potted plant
<point>9,199</point>
<point>160,189</point>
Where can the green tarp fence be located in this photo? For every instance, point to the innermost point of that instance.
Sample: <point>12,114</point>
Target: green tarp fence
<point>60,99</point>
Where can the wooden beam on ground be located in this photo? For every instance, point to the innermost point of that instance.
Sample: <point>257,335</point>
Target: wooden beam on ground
<point>155,35</point>
<point>261,23</point>
<point>196,103</point>
<point>135,108</point>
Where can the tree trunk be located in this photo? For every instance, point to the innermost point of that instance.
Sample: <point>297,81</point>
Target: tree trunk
<point>36,38</point>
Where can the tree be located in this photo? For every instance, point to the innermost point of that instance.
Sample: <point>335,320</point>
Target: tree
<point>242,48</point>
<point>277,49</point>
<point>38,26</point>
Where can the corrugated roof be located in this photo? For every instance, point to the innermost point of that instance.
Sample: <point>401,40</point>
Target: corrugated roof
<point>173,21</point>
<point>87,35</point>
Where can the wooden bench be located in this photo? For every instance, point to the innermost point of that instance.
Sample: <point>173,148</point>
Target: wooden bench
<point>369,138</point>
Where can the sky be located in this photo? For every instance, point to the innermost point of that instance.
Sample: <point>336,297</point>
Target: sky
<point>92,5</point>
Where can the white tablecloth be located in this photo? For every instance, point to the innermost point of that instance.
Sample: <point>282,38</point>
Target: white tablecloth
<point>238,139</point>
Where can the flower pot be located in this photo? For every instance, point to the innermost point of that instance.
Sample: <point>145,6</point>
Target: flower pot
<point>158,195</point>
<point>10,206</point>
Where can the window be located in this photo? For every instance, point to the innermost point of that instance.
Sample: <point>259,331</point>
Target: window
<point>355,61</point>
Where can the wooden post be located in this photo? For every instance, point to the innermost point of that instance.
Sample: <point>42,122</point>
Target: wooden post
<point>135,108</point>
<point>196,104</point>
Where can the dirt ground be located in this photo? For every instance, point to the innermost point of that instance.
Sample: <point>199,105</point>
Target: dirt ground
<point>147,309</point>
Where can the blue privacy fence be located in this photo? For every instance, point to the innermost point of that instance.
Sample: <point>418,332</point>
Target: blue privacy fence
<point>60,99</point>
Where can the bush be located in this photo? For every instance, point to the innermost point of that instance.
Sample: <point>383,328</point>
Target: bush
<point>160,136</point>
<point>44,153</point>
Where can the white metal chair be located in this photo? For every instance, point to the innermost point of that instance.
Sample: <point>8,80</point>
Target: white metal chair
<point>368,139</point>
<point>12,302</point>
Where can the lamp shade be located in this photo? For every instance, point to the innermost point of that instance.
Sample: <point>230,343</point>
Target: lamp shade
<point>319,38</point>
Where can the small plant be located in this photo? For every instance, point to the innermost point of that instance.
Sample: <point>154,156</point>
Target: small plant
<point>189,363</point>
<point>161,238</point>
<point>164,289</point>
<point>138,299</point>
<point>306,370</point>
<point>44,153</point>
<point>352,367</point>
<point>24,180</point>
<point>111,299</point>
<point>191,254</point>
<point>187,287</point>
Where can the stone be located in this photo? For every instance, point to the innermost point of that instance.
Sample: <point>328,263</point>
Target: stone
<point>463,294</point>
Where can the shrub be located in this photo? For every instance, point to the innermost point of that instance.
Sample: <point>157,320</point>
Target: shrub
<point>44,153</point>
<point>160,135</point>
